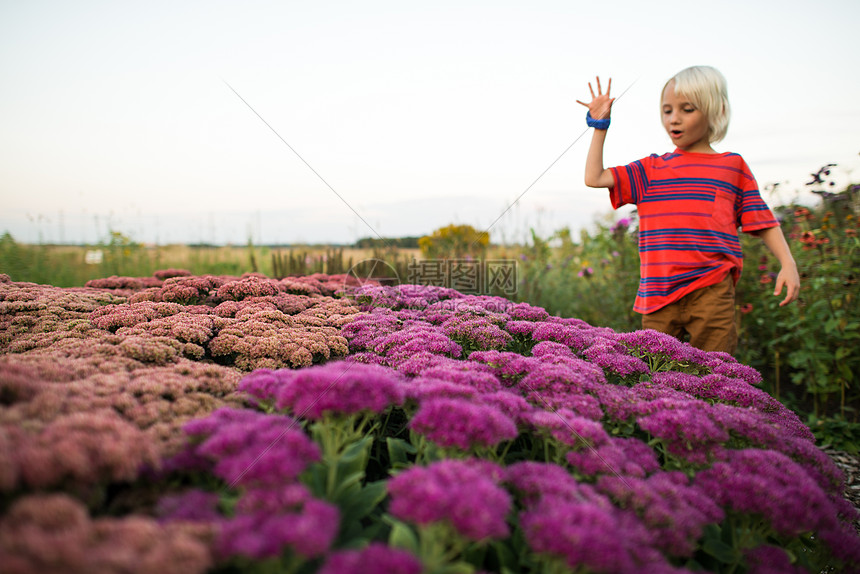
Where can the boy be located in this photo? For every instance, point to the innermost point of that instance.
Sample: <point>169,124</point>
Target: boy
<point>691,203</point>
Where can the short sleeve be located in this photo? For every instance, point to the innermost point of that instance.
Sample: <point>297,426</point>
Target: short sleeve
<point>755,215</point>
<point>631,181</point>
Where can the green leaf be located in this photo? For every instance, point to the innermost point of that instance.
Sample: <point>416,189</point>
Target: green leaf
<point>363,502</point>
<point>356,454</point>
<point>506,557</point>
<point>347,485</point>
<point>403,537</point>
<point>721,551</point>
<point>315,478</point>
<point>399,451</point>
<point>456,568</point>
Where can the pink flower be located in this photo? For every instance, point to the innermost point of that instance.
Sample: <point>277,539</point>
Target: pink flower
<point>250,448</point>
<point>463,424</point>
<point>459,492</point>
<point>375,558</point>
<point>338,387</point>
<point>308,531</point>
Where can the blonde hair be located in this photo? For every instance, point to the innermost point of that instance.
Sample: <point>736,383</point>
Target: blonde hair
<point>706,88</point>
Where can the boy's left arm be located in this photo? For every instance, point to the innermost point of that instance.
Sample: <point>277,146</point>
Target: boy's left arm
<point>788,276</point>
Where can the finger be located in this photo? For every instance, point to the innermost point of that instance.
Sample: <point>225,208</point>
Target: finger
<point>584,104</point>
<point>609,86</point>
<point>795,292</point>
<point>599,92</point>
<point>590,89</point>
<point>777,288</point>
<point>791,291</point>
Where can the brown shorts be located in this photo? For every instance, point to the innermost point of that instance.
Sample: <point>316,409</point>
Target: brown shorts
<point>707,314</point>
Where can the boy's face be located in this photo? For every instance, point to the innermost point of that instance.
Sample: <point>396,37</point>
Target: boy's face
<point>686,125</point>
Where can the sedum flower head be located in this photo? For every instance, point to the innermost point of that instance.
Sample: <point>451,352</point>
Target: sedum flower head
<point>460,492</point>
<point>339,387</point>
<point>461,423</point>
<point>376,558</point>
<point>251,448</point>
<point>308,531</point>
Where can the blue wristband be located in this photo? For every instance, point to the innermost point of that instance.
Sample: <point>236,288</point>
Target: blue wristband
<point>596,124</point>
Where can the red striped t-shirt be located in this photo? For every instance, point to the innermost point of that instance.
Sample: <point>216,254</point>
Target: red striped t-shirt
<point>690,207</point>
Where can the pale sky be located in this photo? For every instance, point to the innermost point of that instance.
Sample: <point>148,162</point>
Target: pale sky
<point>118,115</point>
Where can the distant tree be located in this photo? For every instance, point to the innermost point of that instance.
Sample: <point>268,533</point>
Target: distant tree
<point>454,242</point>
<point>410,242</point>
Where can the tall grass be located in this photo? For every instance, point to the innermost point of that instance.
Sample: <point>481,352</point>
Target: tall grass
<point>66,265</point>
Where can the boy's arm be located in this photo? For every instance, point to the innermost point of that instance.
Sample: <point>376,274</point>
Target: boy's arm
<point>788,276</point>
<point>595,174</point>
<point>599,108</point>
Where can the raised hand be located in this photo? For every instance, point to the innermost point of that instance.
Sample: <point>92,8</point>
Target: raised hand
<point>601,104</point>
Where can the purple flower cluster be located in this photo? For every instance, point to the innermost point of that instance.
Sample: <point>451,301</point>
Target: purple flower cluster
<point>699,407</point>
<point>658,344</point>
<point>413,339</point>
<point>340,388</point>
<point>376,558</point>
<point>526,312</point>
<point>478,332</point>
<point>560,382</point>
<point>573,336</point>
<point>455,422</point>
<point>475,375</point>
<point>771,560</point>
<point>308,530</point>
<point>739,482</point>
<point>606,353</point>
<point>674,511</point>
<point>264,455</point>
<point>617,456</point>
<point>690,431</point>
<point>566,427</point>
<point>571,522</point>
<point>509,367</point>
<point>249,448</point>
<point>371,296</point>
<point>736,392</point>
<point>463,493</point>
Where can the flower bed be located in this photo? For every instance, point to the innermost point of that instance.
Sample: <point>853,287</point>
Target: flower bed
<point>193,424</point>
